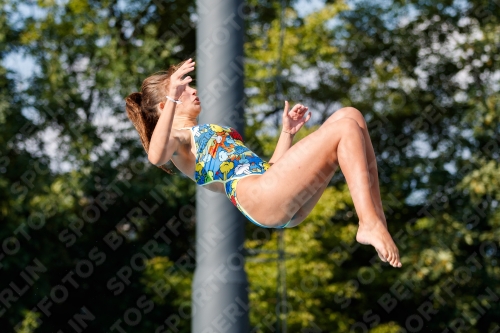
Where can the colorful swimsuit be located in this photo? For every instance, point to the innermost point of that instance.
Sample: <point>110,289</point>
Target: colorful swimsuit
<point>221,156</point>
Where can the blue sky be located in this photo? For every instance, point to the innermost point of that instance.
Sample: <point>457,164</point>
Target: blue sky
<point>24,66</point>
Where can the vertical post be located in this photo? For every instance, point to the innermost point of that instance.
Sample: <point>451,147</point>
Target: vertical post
<point>219,296</point>
<point>282,308</point>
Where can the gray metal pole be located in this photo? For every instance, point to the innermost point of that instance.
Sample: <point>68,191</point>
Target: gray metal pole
<point>220,297</point>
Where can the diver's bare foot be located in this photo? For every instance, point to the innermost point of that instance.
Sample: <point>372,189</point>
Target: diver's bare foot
<point>376,235</point>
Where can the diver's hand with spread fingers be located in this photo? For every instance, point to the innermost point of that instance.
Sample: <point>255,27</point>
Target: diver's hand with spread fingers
<point>177,82</point>
<point>294,119</point>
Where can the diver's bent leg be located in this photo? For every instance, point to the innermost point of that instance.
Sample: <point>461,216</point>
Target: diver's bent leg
<point>278,194</point>
<point>353,113</point>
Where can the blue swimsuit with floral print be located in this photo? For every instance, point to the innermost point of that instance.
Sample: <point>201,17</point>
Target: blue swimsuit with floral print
<point>221,156</point>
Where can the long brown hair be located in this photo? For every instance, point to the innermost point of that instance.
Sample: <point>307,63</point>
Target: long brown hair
<point>142,109</point>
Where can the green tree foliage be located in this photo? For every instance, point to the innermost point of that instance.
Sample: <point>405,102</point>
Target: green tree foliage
<point>425,75</point>
<point>102,212</point>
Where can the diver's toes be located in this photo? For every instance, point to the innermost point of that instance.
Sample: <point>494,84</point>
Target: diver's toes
<point>394,260</point>
<point>380,256</point>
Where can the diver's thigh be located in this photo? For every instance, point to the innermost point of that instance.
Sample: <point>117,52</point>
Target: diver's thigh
<point>275,196</point>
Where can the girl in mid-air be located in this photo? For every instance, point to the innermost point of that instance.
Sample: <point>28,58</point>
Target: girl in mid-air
<point>275,194</point>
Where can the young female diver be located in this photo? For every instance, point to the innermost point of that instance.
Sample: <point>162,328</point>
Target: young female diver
<point>164,113</point>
